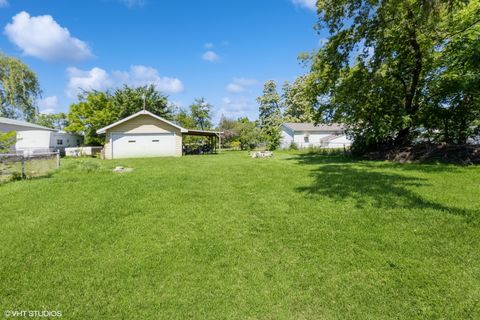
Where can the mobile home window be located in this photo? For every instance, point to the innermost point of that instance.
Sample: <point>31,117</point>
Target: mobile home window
<point>59,142</point>
<point>306,139</point>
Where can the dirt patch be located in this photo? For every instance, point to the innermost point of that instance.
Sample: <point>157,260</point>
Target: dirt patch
<point>459,154</point>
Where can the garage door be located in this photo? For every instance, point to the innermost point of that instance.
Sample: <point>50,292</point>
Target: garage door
<point>127,145</point>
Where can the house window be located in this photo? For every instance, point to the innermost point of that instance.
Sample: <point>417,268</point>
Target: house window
<point>306,139</point>
<point>131,141</point>
<point>155,140</point>
<point>59,142</point>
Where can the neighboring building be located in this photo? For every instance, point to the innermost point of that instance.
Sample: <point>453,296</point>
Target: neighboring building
<point>144,134</point>
<point>306,135</point>
<point>32,138</point>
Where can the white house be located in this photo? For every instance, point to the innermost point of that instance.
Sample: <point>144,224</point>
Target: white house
<point>145,134</point>
<point>32,138</point>
<point>306,135</point>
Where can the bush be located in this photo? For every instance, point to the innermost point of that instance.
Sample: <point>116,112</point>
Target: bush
<point>236,145</point>
<point>293,146</point>
<point>84,165</point>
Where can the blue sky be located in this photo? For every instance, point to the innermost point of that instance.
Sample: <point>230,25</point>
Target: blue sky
<point>221,50</point>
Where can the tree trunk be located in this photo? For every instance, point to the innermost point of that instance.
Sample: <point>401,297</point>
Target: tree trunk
<point>411,106</point>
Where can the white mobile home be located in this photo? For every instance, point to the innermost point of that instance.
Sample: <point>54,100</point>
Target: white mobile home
<point>32,138</point>
<point>305,135</point>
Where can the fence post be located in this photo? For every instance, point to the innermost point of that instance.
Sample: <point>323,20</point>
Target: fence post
<point>23,167</point>
<point>58,159</point>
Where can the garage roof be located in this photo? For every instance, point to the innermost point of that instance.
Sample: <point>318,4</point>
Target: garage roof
<point>143,112</point>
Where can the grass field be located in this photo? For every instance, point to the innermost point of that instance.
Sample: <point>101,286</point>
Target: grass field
<point>225,236</point>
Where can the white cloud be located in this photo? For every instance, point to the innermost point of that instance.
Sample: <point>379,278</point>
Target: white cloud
<point>208,45</point>
<point>48,104</point>
<point>240,84</point>
<point>309,4</point>
<point>3,3</point>
<point>237,107</point>
<point>79,80</point>
<point>210,56</point>
<point>133,3</point>
<point>44,38</point>
<point>138,75</point>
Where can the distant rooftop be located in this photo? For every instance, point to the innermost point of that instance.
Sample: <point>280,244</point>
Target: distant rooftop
<point>311,127</point>
<point>23,124</point>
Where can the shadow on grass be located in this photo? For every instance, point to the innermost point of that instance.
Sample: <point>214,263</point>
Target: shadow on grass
<point>340,178</point>
<point>28,178</point>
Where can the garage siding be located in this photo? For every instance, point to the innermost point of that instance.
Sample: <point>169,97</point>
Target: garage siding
<point>143,124</point>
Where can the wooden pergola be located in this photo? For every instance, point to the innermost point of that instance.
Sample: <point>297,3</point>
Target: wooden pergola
<point>214,137</point>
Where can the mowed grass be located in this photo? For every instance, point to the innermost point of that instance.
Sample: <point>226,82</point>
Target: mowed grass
<point>299,236</point>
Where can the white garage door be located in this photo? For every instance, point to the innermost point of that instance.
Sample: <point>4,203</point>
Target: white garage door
<point>127,145</point>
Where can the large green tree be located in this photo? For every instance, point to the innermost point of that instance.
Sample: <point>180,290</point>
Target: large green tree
<point>201,113</point>
<point>249,134</point>
<point>376,70</point>
<point>130,100</point>
<point>298,101</point>
<point>184,118</point>
<point>53,120</point>
<point>19,89</point>
<point>270,114</point>
<point>95,110</point>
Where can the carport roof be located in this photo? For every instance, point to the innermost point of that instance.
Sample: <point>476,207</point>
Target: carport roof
<point>195,132</point>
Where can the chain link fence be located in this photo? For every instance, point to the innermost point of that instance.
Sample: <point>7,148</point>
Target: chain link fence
<point>27,166</point>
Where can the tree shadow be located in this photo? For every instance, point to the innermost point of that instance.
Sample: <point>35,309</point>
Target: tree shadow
<point>341,178</point>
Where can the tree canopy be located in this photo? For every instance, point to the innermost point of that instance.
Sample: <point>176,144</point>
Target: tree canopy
<point>392,69</point>
<point>53,120</point>
<point>201,113</point>
<point>129,100</point>
<point>19,89</point>
<point>270,114</point>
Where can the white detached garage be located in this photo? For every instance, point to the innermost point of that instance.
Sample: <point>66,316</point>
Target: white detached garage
<point>143,134</point>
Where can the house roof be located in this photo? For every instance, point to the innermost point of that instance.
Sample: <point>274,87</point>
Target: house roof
<point>142,112</point>
<point>312,127</point>
<point>24,124</point>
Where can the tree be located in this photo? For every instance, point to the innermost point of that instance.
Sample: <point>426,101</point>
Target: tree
<point>376,70</point>
<point>19,89</point>
<point>130,100</point>
<point>95,110</point>
<point>249,134</point>
<point>298,102</point>
<point>270,114</point>
<point>453,102</point>
<point>7,139</point>
<point>230,129</point>
<point>184,119</point>
<point>54,120</point>
<point>201,113</point>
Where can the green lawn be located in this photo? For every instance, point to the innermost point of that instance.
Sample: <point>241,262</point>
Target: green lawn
<point>225,236</point>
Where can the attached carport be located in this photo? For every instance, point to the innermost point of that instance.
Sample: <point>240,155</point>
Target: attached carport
<point>214,140</point>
